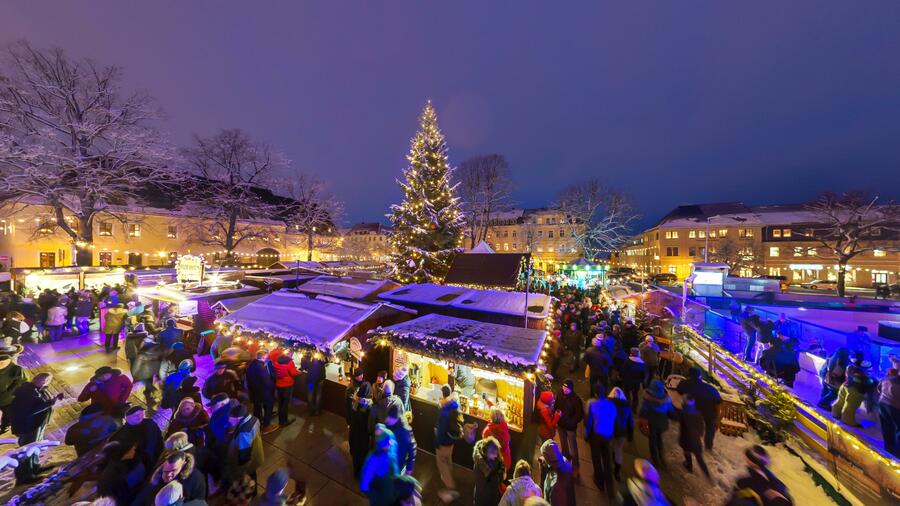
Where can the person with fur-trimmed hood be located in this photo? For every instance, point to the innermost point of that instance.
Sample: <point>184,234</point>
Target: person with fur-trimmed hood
<point>192,419</point>
<point>490,471</point>
<point>521,487</point>
<point>379,469</point>
<point>559,483</point>
<point>178,466</point>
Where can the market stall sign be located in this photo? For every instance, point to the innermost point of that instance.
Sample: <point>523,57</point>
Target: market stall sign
<point>189,268</point>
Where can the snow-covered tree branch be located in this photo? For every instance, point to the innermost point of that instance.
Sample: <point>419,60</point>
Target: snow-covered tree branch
<point>313,211</point>
<point>485,188</point>
<point>602,217</point>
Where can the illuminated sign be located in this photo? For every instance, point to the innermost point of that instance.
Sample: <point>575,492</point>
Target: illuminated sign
<point>189,268</point>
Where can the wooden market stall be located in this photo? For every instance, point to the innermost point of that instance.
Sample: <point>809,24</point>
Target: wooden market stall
<point>347,287</point>
<point>323,325</point>
<point>485,363</point>
<point>494,306</point>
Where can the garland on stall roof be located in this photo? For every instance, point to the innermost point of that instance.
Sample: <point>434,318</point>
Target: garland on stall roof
<point>302,343</point>
<point>459,350</point>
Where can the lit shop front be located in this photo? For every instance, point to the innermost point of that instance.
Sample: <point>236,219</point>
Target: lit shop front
<point>486,364</point>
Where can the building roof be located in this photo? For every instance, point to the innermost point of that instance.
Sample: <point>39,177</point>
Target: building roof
<point>320,322</point>
<point>736,213</point>
<point>347,287</point>
<point>487,269</point>
<point>481,247</point>
<point>377,228</point>
<point>516,345</point>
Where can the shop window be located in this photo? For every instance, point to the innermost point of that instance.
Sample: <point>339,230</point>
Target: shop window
<point>105,258</point>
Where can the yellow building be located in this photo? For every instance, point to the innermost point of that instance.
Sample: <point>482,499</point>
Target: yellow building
<point>771,240</point>
<point>366,242</point>
<point>546,233</point>
<point>29,237</point>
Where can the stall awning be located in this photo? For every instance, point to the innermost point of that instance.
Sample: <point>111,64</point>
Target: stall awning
<point>319,322</point>
<point>485,345</point>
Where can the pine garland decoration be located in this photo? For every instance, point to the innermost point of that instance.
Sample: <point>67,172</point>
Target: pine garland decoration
<point>428,225</point>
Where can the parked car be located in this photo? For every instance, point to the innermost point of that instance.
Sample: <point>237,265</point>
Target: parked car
<point>820,284</point>
<point>782,280</point>
<point>664,278</point>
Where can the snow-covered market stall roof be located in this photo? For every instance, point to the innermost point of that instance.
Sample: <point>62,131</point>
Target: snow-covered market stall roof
<point>232,305</point>
<point>347,287</point>
<point>489,346</point>
<point>488,270</point>
<point>488,301</point>
<point>176,292</point>
<point>305,322</point>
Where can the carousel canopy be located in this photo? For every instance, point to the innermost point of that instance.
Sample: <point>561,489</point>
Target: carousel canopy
<point>320,322</point>
<point>486,345</point>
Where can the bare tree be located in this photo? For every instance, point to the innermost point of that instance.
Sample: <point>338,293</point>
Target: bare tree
<point>736,255</point>
<point>313,212</point>
<point>230,202</point>
<point>602,217</point>
<point>485,188</point>
<point>850,224</point>
<point>71,140</point>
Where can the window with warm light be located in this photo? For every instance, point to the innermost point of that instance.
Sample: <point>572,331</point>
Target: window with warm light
<point>776,232</point>
<point>692,234</point>
<point>172,232</point>
<point>798,251</point>
<point>879,253</point>
<point>786,232</point>
<point>712,234</point>
<point>106,229</point>
<point>722,232</point>
<point>774,251</point>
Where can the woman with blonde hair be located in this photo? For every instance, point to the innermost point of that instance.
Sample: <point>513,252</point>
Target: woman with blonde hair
<point>623,428</point>
<point>499,430</point>
<point>521,487</point>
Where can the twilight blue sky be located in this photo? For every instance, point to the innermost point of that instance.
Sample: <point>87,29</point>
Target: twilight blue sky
<point>676,102</point>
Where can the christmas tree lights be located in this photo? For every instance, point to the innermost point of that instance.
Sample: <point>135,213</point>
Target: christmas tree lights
<point>428,224</point>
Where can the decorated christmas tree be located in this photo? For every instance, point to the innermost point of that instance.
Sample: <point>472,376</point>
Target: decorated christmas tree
<point>428,224</point>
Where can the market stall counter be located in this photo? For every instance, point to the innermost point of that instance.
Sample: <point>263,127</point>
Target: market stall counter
<point>488,365</point>
<point>322,328</point>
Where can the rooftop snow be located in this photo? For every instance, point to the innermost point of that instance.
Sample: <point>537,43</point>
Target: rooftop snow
<point>518,344</point>
<point>491,301</point>
<point>323,320</point>
<point>346,287</point>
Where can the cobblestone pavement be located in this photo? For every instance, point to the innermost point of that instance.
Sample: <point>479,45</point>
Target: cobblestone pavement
<point>316,446</point>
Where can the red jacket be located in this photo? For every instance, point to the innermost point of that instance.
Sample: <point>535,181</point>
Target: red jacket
<point>500,431</point>
<point>285,371</point>
<point>549,419</point>
<point>111,395</point>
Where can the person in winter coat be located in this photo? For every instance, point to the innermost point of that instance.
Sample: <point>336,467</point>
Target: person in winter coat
<point>134,340</point>
<point>84,311</point>
<point>449,431</point>
<point>657,409</point>
<point>559,483</point>
<point>599,430</point>
<point>109,388</point>
<point>406,441</point>
<point>144,432</point>
<point>259,380</point>
<point>15,328</point>
<point>223,380</point>
<point>650,356</point>
<point>852,393</point>
<point>498,429</point>
<point>112,326</point>
<point>285,372</point>
<point>92,428</point>
<point>275,494</point>
<point>171,334</point>
<point>313,365</point>
<point>217,435</point>
<point>172,384</point>
<point>833,374</point>
<point>888,405</point>
<point>571,408</point>
<point>31,408</point>
<point>707,400</point>
<point>180,467</point>
<point>350,396</point>
<point>380,408</point>
<point>174,356</point>
<point>521,487</point>
<point>490,472</point>
<point>402,385</point>
<point>549,416</point>
<point>759,482</point>
<point>12,376</point>
<point>122,473</point>
<point>190,418</point>
<point>623,428</point>
<point>634,371</point>
<point>379,469</point>
<point>690,434</point>
<point>245,454</point>
<point>145,367</point>
<point>56,320</point>
<point>599,361</point>
<point>359,426</point>
<point>643,488</point>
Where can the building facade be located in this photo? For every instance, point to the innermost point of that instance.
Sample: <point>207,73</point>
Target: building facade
<point>30,237</point>
<point>548,234</point>
<point>775,240</point>
<point>366,242</point>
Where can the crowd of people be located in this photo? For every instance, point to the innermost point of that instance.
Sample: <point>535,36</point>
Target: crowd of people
<point>212,442</point>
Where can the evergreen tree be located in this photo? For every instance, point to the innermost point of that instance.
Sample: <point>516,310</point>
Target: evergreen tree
<point>428,224</point>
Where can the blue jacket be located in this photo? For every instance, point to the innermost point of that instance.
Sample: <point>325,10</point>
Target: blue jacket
<point>601,418</point>
<point>449,428</point>
<point>406,445</point>
<point>169,336</point>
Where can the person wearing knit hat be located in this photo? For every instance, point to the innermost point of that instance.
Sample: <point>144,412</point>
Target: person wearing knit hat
<point>549,416</point>
<point>571,408</point>
<point>380,468</point>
